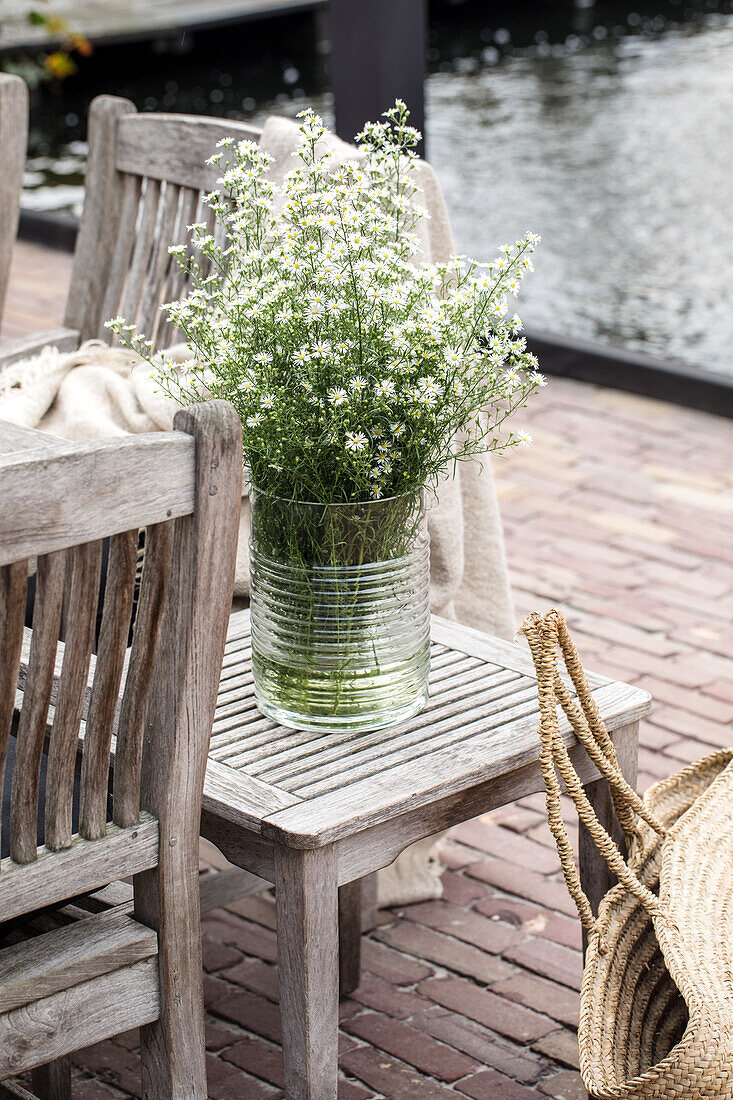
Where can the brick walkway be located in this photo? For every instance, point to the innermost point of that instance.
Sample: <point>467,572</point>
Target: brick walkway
<point>621,514</point>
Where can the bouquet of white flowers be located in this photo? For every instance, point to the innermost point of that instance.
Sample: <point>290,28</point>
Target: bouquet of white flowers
<point>357,375</point>
<point>360,376</point>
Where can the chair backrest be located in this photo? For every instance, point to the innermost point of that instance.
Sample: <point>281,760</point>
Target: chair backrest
<point>146,175</point>
<point>158,699</point>
<point>13,142</point>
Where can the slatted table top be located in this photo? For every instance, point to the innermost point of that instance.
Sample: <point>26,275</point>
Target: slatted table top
<point>481,721</point>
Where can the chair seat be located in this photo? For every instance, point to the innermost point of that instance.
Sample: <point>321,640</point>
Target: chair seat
<point>315,787</point>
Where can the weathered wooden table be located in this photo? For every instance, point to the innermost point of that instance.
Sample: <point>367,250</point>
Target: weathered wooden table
<point>315,812</point>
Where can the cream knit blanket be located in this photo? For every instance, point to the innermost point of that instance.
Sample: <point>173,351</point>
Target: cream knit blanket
<point>97,392</point>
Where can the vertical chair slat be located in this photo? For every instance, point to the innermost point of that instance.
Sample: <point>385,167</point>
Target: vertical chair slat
<point>13,590</point>
<point>50,578</point>
<point>128,754</point>
<point>176,282</point>
<point>160,261</point>
<point>119,592</point>
<point>123,251</point>
<point>85,563</point>
<point>144,237</point>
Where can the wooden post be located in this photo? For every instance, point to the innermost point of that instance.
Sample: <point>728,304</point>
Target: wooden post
<point>595,875</point>
<point>377,55</point>
<point>53,1082</point>
<point>13,139</point>
<point>179,717</point>
<point>349,937</point>
<point>306,898</point>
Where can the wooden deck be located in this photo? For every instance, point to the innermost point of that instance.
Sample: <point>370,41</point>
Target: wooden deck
<point>622,515</point>
<point>107,21</point>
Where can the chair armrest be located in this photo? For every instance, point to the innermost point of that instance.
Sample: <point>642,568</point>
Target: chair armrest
<point>25,347</point>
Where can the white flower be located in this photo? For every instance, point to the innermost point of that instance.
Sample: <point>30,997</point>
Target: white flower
<point>385,387</point>
<point>267,401</point>
<point>246,385</point>
<point>538,379</point>
<point>358,384</point>
<point>254,421</point>
<point>337,396</point>
<point>524,439</point>
<point>356,441</point>
<point>321,349</point>
<point>263,358</point>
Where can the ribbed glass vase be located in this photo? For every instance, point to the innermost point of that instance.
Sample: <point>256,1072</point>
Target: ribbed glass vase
<point>340,608</point>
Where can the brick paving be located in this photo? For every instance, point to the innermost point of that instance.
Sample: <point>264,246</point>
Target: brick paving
<point>621,514</point>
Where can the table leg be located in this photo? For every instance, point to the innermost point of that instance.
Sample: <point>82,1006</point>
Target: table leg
<point>53,1081</point>
<point>350,895</point>
<point>306,898</point>
<point>595,875</point>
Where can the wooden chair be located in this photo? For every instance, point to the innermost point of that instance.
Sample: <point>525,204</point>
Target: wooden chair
<point>146,175</point>
<point>75,966</point>
<point>13,141</point>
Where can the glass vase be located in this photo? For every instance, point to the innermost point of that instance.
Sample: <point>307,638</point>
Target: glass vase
<point>340,607</point>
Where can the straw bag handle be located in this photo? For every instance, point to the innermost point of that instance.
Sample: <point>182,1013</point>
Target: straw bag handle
<point>545,635</point>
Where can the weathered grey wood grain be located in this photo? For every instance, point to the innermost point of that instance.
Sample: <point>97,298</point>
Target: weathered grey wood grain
<point>177,281</point>
<point>95,242</point>
<point>350,927</point>
<point>85,563</point>
<point>13,141</point>
<point>149,478</point>
<point>439,726</point>
<point>14,438</point>
<point>239,798</point>
<point>141,256</point>
<point>180,712</point>
<point>116,613</point>
<point>175,147</point>
<point>306,899</point>
<point>160,261</point>
<point>13,588</point>
<point>419,782</point>
<point>221,888</point>
<point>134,708</point>
<point>468,640</point>
<point>77,953</point>
<point>378,845</point>
<point>112,292</point>
<point>27,347</point>
<point>595,875</point>
<point>86,865</point>
<point>166,711</point>
<point>50,577</point>
<point>78,1017</point>
<point>238,844</point>
<point>53,1081</point>
<point>11,1090</point>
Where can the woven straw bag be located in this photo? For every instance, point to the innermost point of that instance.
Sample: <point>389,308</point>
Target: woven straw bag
<point>656,1012</point>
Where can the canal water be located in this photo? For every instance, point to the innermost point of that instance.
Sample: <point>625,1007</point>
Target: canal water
<point>607,129</point>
